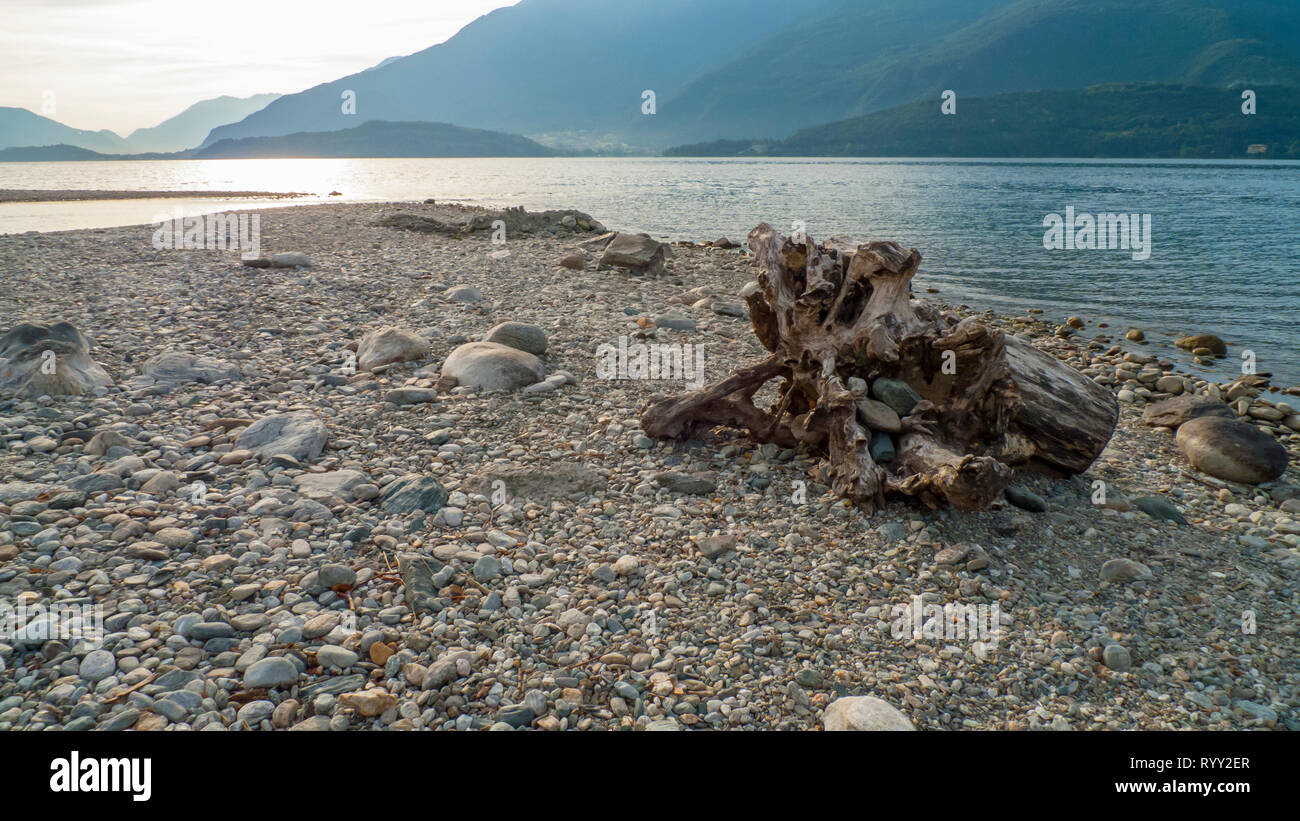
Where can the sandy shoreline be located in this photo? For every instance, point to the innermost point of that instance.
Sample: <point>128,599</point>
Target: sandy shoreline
<point>599,594</point>
<point>75,195</point>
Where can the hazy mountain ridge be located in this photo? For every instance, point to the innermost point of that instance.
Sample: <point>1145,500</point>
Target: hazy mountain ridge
<point>22,128</point>
<point>541,67</point>
<point>1124,120</point>
<point>372,139</point>
<point>189,128</point>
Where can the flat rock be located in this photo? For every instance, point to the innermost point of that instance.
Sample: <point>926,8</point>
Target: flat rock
<point>413,492</point>
<point>335,483</point>
<point>300,434</point>
<point>682,483</point>
<point>637,252</point>
<point>864,713</point>
<point>1232,450</point>
<point>1172,412</point>
<point>178,367</point>
<point>411,396</point>
<point>529,484</point>
<point>1158,507</point>
<point>290,259</point>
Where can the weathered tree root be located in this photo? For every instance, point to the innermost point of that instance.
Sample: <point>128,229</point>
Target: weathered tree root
<point>838,320</point>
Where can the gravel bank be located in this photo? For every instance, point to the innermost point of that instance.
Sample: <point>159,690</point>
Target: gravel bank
<point>564,571</point>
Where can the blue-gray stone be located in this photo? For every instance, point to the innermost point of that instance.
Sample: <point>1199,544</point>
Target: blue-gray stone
<point>1158,507</point>
<point>895,393</point>
<point>211,630</point>
<point>97,665</point>
<point>881,447</point>
<point>271,672</point>
<point>516,716</point>
<point>413,492</point>
<point>487,568</point>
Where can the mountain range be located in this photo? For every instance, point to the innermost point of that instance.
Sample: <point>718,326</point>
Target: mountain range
<point>572,74</point>
<point>22,128</point>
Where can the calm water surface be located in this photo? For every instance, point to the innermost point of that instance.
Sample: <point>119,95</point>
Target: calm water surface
<point>1225,257</point>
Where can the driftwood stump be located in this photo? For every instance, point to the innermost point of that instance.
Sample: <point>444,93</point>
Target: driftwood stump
<point>844,334</point>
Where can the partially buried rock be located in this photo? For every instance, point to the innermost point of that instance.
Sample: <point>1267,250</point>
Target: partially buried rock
<point>637,252</point>
<point>467,294</point>
<point>299,434</point>
<point>291,259</point>
<point>1026,500</point>
<point>1170,413</point>
<point>519,335</point>
<point>388,345</point>
<point>1160,508</point>
<point>1232,450</point>
<point>1124,570</point>
<point>178,367</point>
<point>572,261</point>
<point>560,480</point>
<point>411,396</point>
<point>52,360</point>
<point>682,483</point>
<point>335,483</point>
<point>489,366</point>
<point>1210,341</point>
<point>864,713</point>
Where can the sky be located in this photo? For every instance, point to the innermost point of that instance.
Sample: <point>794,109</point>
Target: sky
<point>127,64</point>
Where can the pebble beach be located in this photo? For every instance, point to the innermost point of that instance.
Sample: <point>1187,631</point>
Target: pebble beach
<point>290,520</point>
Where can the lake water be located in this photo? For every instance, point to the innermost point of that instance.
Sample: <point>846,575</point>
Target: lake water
<point>1224,255</point>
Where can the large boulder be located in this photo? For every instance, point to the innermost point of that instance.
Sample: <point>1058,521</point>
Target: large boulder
<point>1231,450</point>
<point>1170,413</point>
<point>864,713</point>
<point>388,345</point>
<point>179,366</point>
<point>53,360</point>
<point>490,366</point>
<point>300,434</point>
<point>638,252</point>
<point>519,335</point>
